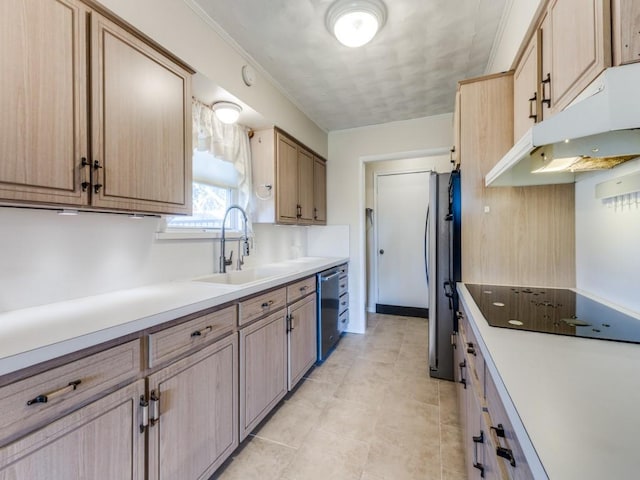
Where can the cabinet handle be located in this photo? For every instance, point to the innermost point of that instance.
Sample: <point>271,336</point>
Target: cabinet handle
<point>451,152</point>
<point>480,467</point>
<point>499,430</point>
<point>507,454</point>
<point>96,165</point>
<point>267,304</point>
<point>84,163</point>
<point>144,405</point>
<point>532,103</point>
<point>462,365</point>
<point>547,81</point>
<point>45,397</point>
<point>84,186</point>
<point>97,187</point>
<point>154,408</point>
<point>298,211</point>
<point>202,332</point>
<point>471,348</point>
<point>315,213</point>
<point>479,438</point>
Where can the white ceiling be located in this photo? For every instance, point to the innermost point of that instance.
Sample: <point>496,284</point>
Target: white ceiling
<point>409,70</point>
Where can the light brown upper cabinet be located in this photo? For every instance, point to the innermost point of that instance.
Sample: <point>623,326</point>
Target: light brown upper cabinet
<point>526,94</point>
<point>626,31</point>
<point>289,180</point>
<point>576,47</point>
<point>137,155</point>
<point>455,149</point>
<point>319,191</point>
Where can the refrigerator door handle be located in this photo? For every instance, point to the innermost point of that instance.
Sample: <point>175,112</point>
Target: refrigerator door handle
<point>426,246</point>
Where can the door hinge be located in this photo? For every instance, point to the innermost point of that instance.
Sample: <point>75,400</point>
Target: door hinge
<point>144,407</point>
<point>154,408</point>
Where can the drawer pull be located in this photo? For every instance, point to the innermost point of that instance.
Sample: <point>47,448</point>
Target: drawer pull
<point>302,289</point>
<point>202,332</point>
<point>507,454</point>
<point>267,304</point>
<point>499,430</point>
<point>56,393</point>
<point>462,365</point>
<point>480,467</point>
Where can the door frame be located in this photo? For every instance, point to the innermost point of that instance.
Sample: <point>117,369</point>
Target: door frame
<point>375,268</point>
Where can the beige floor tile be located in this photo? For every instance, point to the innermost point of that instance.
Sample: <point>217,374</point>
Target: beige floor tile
<point>448,403</point>
<point>258,460</point>
<point>290,424</point>
<point>343,356</point>
<point>389,461</point>
<point>313,394</point>
<point>351,419</point>
<point>381,353</point>
<point>409,424</point>
<point>373,370</point>
<point>329,373</point>
<point>453,475</point>
<point>362,390</point>
<point>451,448</point>
<point>422,389</point>
<point>412,367</point>
<point>326,455</point>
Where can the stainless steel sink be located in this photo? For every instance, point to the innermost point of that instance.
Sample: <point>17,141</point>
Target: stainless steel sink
<point>250,275</point>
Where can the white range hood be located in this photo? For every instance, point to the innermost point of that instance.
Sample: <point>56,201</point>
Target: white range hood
<point>598,131</point>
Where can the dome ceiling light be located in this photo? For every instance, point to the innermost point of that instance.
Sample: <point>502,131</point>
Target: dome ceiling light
<point>227,112</point>
<point>355,22</point>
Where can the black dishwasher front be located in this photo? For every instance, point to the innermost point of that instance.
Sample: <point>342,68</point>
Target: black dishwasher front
<point>328,309</point>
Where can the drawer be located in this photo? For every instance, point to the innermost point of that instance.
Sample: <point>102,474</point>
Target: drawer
<point>343,285</point>
<point>343,321</point>
<point>497,418</point>
<point>344,303</point>
<point>254,308</point>
<point>42,398</point>
<point>300,289</point>
<point>343,269</point>
<point>171,342</point>
<point>472,354</point>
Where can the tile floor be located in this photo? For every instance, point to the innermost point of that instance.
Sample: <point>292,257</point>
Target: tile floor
<point>370,412</point>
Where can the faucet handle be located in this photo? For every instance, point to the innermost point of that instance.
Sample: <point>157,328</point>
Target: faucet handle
<point>230,261</point>
<point>245,246</point>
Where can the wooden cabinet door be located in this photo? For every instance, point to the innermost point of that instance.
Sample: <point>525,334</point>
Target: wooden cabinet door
<point>198,422</point>
<point>305,186</point>
<point>525,90</point>
<point>626,31</point>
<point>580,46</point>
<point>263,369</point>
<point>319,191</point>
<point>286,180</point>
<point>43,108</point>
<point>101,441</point>
<point>302,338</point>
<point>455,150</point>
<point>141,119</point>
<point>544,49</point>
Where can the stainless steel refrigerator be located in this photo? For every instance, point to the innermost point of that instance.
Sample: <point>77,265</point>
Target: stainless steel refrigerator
<point>442,265</point>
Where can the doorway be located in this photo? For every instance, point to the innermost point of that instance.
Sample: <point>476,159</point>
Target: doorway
<point>401,203</point>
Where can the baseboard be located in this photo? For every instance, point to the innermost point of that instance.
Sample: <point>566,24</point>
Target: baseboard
<point>402,311</point>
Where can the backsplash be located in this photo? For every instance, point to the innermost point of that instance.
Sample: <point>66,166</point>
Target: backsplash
<point>607,239</point>
<point>49,258</point>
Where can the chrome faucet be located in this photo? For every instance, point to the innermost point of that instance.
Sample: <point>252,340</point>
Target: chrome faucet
<point>244,241</point>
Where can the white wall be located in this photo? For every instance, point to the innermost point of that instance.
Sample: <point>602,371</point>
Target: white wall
<point>607,242</point>
<point>175,26</point>
<point>48,258</point>
<point>515,21</point>
<point>348,150</point>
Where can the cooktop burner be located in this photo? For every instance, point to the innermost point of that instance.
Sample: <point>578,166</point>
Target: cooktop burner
<point>553,310</point>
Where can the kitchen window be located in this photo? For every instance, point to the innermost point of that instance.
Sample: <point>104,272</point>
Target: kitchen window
<point>221,174</point>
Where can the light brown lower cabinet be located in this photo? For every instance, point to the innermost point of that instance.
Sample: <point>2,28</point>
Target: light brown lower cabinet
<point>263,369</point>
<point>302,338</point>
<point>492,451</point>
<point>101,441</point>
<point>197,426</point>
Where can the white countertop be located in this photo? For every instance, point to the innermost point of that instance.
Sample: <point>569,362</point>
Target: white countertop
<point>578,399</point>
<point>36,334</point>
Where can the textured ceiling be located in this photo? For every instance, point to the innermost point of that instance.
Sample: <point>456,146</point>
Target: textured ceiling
<point>409,70</point>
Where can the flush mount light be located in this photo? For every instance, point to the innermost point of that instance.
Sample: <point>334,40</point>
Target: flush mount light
<point>67,212</point>
<point>355,22</point>
<point>227,112</point>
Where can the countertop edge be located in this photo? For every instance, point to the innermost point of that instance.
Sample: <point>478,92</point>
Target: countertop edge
<point>528,449</point>
<point>33,356</point>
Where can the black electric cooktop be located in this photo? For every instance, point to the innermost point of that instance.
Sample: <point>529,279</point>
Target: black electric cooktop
<point>553,310</point>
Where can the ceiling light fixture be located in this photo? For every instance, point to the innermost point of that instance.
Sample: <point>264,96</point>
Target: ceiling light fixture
<point>227,112</point>
<point>355,22</point>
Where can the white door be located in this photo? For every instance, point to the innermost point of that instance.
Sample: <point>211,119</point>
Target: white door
<point>401,202</point>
